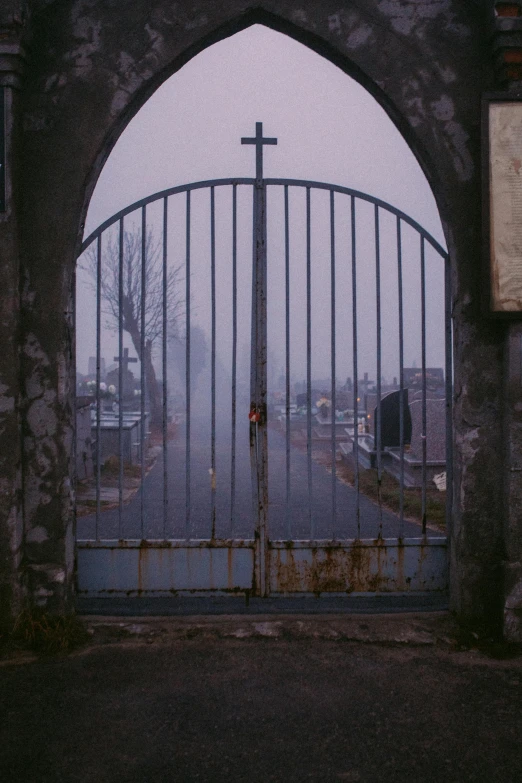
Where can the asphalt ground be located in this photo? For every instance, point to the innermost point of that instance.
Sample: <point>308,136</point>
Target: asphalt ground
<point>343,698</point>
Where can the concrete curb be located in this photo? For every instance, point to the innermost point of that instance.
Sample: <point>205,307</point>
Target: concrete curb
<point>415,629</point>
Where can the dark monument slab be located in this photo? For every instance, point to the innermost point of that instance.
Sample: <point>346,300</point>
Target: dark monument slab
<point>390,420</point>
<point>435,445</point>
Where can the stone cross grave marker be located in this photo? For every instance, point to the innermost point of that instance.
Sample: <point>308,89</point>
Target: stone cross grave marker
<point>127,376</point>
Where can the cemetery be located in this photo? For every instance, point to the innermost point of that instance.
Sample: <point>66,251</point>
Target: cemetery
<point>113,436</point>
<point>421,447</point>
<point>424,443</point>
<point>420,465</point>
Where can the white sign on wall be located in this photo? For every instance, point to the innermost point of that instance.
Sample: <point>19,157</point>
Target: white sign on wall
<point>505,205</point>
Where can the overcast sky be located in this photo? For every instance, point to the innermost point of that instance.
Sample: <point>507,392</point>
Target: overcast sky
<point>328,129</point>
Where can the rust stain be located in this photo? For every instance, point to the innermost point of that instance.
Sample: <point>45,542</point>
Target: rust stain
<point>420,562</point>
<point>189,570</point>
<point>400,566</point>
<point>112,569</point>
<point>141,554</point>
<point>210,568</point>
<point>217,543</point>
<point>229,569</point>
<point>331,570</point>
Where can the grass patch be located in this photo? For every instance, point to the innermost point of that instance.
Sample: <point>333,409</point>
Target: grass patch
<point>92,503</point>
<point>111,468</point>
<point>387,493</point>
<point>49,634</point>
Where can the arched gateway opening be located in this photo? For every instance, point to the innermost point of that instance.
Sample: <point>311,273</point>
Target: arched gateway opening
<point>264,382</point>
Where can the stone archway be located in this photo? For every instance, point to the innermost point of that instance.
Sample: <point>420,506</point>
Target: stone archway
<point>90,69</point>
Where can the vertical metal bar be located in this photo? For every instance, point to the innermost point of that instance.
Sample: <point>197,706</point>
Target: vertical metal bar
<point>253,430</point>
<point>262,389</point>
<point>187,370</point>
<point>143,348</point>
<point>74,357</point>
<point>423,352</point>
<point>254,324</point>
<point>378,422</point>
<point>234,360</point>
<point>287,361</point>
<point>355,370</point>
<point>259,439</point>
<point>98,401</point>
<point>449,394</point>
<point>332,359</point>
<point>309,362</point>
<point>401,379</point>
<point>213,364</point>
<point>121,379</point>
<point>164,368</point>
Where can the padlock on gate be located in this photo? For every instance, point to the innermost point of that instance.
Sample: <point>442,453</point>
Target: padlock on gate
<point>254,415</point>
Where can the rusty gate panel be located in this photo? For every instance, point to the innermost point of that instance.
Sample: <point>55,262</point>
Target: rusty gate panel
<point>381,566</point>
<point>134,568</point>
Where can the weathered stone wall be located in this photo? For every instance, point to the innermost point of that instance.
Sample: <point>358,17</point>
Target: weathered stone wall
<point>90,67</point>
<point>507,49</point>
<point>11,528</point>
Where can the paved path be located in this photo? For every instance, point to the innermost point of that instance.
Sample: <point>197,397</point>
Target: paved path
<point>240,524</point>
<point>211,708</point>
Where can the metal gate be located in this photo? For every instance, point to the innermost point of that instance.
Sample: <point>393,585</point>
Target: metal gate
<point>226,464</point>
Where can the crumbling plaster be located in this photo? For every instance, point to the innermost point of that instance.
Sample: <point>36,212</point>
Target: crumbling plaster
<point>91,67</point>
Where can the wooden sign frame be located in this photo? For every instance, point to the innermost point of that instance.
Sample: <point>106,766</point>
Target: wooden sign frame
<point>502,203</point>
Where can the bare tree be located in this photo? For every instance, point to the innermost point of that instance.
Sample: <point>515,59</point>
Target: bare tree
<point>161,296</point>
<point>198,355</point>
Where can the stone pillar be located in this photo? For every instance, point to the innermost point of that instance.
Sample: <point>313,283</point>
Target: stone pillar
<point>11,525</point>
<point>48,400</point>
<point>507,47</point>
<point>48,240</point>
<point>513,485</point>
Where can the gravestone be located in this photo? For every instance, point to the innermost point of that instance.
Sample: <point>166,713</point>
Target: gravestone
<point>411,467</point>
<point>113,377</point>
<point>390,420</point>
<point>390,428</point>
<point>435,430</point>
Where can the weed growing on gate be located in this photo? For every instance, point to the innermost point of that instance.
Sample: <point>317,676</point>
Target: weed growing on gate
<point>49,634</point>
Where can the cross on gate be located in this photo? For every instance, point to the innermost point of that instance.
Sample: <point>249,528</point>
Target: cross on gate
<point>125,361</point>
<point>258,140</point>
